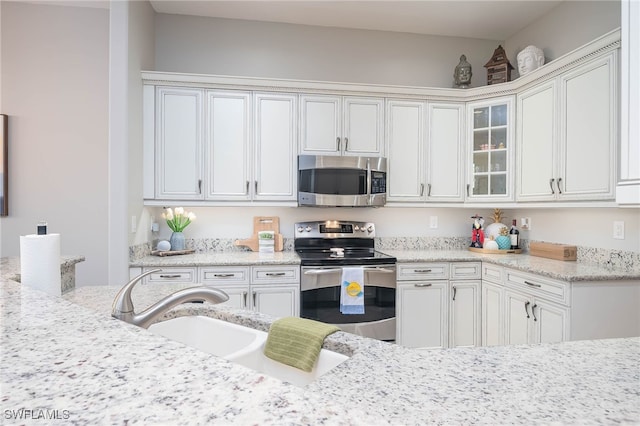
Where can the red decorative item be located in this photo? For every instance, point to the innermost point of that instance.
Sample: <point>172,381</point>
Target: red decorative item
<point>477,233</point>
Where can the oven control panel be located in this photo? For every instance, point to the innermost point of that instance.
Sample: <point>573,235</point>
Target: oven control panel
<point>335,229</point>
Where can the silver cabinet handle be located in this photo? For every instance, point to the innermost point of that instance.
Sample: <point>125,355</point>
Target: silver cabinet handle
<point>199,186</point>
<point>244,299</point>
<point>337,144</point>
<point>454,293</point>
<point>247,189</point>
<point>558,185</point>
<point>346,144</point>
<point>255,184</point>
<point>421,189</point>
<point>551,185</point>
<point>254,298</point>
<point>468,189</point>
<point>171,276</point>
<point>223,275</point>
<point>533,312</point>
<point>421,271</point>
<point>423,285</point>
<point>275,274</point>
<point>532,284</point>
<point>428,190</point>
<point>526,308</point>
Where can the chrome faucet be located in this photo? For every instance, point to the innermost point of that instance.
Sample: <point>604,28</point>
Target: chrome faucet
<point>123,305</point>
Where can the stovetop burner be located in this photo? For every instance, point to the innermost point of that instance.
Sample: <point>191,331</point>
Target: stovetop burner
<point>338,243</point>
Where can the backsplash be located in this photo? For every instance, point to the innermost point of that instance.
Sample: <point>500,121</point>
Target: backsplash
<point>616,258</point>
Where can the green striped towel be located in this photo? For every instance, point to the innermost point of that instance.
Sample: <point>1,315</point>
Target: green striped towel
<point>297,341</point>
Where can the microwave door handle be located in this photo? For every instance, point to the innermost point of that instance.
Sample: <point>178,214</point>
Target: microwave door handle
<point>370,195</point>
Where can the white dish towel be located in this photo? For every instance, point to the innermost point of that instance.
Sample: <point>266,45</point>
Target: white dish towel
<point>352,291</point>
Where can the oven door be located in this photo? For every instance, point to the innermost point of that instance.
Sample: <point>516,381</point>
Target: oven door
<point>320,300</point>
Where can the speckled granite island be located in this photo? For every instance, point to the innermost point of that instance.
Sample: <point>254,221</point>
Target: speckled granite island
<point>66,358</point>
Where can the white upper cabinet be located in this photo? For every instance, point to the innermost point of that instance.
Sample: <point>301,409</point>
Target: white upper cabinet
<point>228,143</point>
<point>628,190</point>
<point>179,135</point>
<point>445,153</point>
<point>588,130</point>
<point>275,147</point>
<point>425,162</point>
<point>566,135</point>
<point>337,125</point>
<point>490,147</point>
<point>406,151</point>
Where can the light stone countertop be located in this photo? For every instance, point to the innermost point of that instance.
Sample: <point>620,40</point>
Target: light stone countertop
<point>68,354</point>
<point>569,271</point>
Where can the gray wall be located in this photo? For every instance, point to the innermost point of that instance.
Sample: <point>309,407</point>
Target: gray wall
<point>262,49</point>
<point>567,27</point>
<point>55,91</point>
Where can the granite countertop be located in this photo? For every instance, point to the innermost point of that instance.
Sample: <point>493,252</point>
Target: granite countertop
<point>69,357</point>
<point>10,266</point>
<point>560,270</point>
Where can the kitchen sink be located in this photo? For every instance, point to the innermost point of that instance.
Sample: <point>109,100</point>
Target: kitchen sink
<point>241,345</point>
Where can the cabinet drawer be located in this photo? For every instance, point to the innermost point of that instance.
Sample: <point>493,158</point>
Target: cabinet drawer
<point>422,271</point>
<point>275,275</point>
<point>222,275</point>
<point>538,286</point>
<point>492,273</point>
<point>466,271</point>
<point>172,275</point>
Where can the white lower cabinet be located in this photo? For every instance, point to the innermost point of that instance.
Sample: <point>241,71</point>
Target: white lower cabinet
<point>272,290</point>
<point>524,308</point>
<point>435,312</point>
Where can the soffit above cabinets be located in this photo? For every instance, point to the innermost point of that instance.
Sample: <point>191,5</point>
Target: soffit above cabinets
<point>478,19</point>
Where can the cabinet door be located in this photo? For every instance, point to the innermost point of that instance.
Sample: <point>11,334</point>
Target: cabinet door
<point>549,321</point>
<point>492,314</point>
<point>321,124</point>
<point>589,131</point>
<point>238,296</point>
<point>464,324</point>
<point>405,150</point>
<point>517,314</point>
<point>275,147</point>
<point>277,301</point>
<point>537,144</point>
<point>227,148</point>
<point>363,126</point>
<point>179,134</point>
<point>422,314</point>
<point>445,155</point>
<point>490,150</point>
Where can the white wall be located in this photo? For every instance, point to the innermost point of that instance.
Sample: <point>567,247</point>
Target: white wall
<point>262,49</point>
<point>55,91</point>
<point>565,28</point>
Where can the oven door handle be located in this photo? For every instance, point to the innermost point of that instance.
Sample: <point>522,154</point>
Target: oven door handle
<point>333,270</point>
<point>322,271</point>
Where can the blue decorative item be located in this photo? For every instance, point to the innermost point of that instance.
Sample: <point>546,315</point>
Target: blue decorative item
<point>504,242</point>
<point>177,241</point>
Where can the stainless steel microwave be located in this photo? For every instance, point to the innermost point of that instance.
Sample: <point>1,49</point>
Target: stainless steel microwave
<point>334,181</point>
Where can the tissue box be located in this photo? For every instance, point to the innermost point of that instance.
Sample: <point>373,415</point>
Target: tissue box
<point>553,251</point>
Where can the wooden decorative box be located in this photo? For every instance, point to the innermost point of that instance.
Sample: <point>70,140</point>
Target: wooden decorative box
<point>553,251</point>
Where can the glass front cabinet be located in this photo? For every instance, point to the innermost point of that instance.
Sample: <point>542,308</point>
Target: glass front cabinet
<point>490,148</point>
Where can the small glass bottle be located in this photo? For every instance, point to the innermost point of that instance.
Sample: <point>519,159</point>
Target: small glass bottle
<point>514,234</point>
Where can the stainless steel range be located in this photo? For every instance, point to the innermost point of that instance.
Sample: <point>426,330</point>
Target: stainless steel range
<point>326,248</point>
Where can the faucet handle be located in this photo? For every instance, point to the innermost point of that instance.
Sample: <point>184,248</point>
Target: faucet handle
<point>122,304</point>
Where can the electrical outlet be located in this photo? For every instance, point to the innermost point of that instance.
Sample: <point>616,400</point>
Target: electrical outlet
<point>618,230</point>
<point>433,222</point>
<point>525,223</point>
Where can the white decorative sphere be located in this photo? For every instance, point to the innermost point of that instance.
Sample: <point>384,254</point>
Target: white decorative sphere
<point>490,245</point>
<point>493,230</point>
<point>164,245</point>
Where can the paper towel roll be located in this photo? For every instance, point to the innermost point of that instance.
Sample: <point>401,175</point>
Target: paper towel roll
<point>40,262</point>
